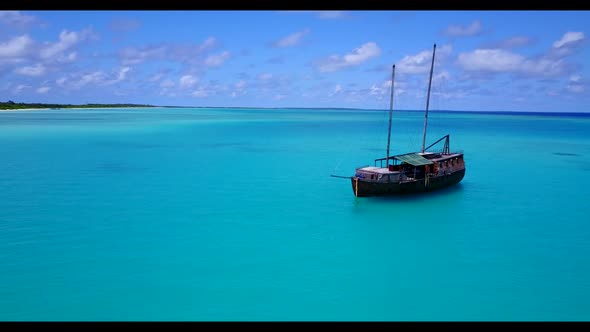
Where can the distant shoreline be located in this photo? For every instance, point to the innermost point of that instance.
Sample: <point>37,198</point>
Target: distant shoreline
<point>12,106</point>
<point>73,108</point>
<point>81,107</point>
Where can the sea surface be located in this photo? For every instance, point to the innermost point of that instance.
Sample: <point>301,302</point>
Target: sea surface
<point>231,215</point>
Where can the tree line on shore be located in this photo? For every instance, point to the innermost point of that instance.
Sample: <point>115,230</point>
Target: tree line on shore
<point>12,105</point>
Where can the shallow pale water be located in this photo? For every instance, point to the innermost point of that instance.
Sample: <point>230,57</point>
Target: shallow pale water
<point>231,214</point>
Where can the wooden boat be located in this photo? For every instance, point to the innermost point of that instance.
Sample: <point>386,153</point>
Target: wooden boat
<point>412,172</point>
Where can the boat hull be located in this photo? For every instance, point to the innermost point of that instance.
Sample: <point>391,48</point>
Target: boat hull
<point>363,188</point>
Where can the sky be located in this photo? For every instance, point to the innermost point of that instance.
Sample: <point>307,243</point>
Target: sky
<point>485,60</point>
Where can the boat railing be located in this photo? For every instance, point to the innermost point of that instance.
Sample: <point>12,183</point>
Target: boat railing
<point>381,160</point>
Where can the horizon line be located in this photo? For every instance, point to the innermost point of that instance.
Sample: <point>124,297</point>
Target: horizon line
<point>127,105</point>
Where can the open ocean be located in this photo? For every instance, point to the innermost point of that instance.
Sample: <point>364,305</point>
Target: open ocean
<point>231,215</point>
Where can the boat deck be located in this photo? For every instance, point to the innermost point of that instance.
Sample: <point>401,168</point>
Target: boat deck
<point>377,170</point>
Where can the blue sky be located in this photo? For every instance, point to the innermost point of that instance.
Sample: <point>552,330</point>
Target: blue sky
<point>486,60</point>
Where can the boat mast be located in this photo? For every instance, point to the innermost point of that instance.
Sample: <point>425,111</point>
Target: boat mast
<point>390,111</point>
<point>428,98</point>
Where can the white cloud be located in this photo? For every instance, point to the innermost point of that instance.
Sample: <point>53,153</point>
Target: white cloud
<point>463,31</point>
<point>156,77</point>
<point>458,94</point>
<point>490,60</point>
<point>385,88</point>
<point>173,52</point>
<point>374,90</point>
<point>421,62</point>
<point>268,85</point>
<point>354,94</point>
<point>415,64</point>
<point>496,60</point>
<point>201,93</point>
<point>510,43</point>
<point>217,59</point>
<point>551,64</point>
<point>43,89</point>
<point>331,14</point>
<point>357,56</point>
<point>336,91</point>
<point>239,89</point>
<point>362,53</point>
<point>168,89</point>
<point>96,77</point>
<point>167,83</point>
<point>400,87</point>
<point>322,14</point>
<point>123,73</point>
<point>19,88</point>
<point>16,18</point>
<point>36,70</point>
<point>576,88</point>
<point>265,76</point>
<point>67,39</point>
<point>442,76</point>
<point>568,39</point>
<point>566,44</point>
<point>292,39</point>
<point>575,84</point>
<point>61,81</point>
<point>208,44</point>
<point>187,81</point>
<point>132,56</point>
<point>517,41</point>
<point>241,84</point>
<point>68,58</point>
<point>15,47</point>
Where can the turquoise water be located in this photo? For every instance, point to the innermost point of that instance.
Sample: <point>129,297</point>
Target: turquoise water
<point>231,214</point>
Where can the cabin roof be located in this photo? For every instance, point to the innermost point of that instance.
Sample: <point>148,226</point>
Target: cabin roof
<point>413,159</point>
